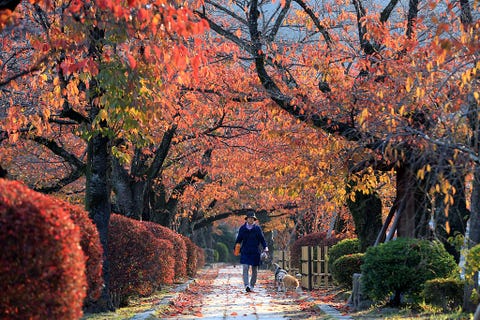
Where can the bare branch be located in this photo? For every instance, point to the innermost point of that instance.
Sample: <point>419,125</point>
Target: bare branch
<point>315,20</point>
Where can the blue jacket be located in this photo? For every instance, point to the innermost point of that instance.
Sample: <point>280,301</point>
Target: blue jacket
<point>252,242</point>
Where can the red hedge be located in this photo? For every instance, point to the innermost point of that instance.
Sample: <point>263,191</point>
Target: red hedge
<point>166,262</point>
<point>179,246</point>
<point>195,257</point>
<point>42,266</point>
<point>139,262</point>
<point>312,239</point>
<point>92,248</point>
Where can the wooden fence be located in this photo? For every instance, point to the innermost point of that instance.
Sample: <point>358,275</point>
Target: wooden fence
<point>313,266</point>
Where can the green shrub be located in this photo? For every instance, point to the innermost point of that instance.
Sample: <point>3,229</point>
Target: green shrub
<point>312,239</point>
<point>223,252</point>
<point>342,248</point>
<point>472,267</point>
<point>216,256</point>
<point>473,262</point>
<point>401,267</point>
<point>444,293</point>
<point>42,266</point>
<point>344,268</point>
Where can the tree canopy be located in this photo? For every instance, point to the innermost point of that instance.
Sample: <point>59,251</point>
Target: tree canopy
<point>183,113</point>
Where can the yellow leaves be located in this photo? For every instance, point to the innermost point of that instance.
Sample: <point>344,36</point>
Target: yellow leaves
<point>408,84</point>
<point>102,114</point>
<point>123,157</point>
<point>384,179</point>
<point>448,200</point>
<point>421,172</point>
<point>466,77</point>
<point>72,88</point>
<point>429,66</point>
<point>447,227</point>
<point>362,118</point>
<point>419,92</point>
<point>445,188</point>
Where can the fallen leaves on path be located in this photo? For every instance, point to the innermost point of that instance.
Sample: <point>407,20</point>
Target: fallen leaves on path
<point>190,301</point>
<point>295,305</point>
<point>332,296</point>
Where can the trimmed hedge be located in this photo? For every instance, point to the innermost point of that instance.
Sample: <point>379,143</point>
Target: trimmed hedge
<point>92,248</point>
<point>179,246</point>
<point>344,268</point>
<point>223,252</point>
<point>195,257</point>
<point>401,267</point>
<point>343,247</point>
<point>167,260</point>
<point>42,266</point>
<point>312,239</point>
<point>444,293</point>
<point>139,261</point>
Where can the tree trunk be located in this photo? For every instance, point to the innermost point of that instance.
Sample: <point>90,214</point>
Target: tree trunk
<point>97,202</point>
<point>123,187</point>
<point>367,216</point>
<point>98,183</point>
<point>405,185</point>
<point>423,208</point>
<point>473,236</point>
<point>3,172</point>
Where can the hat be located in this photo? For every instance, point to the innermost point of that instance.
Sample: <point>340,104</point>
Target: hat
<point>250,214</point>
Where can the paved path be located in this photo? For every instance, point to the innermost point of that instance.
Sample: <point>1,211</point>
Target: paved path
<point>228,300</point>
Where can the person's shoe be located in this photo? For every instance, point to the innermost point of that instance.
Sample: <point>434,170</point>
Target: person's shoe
<point>247,288</point>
